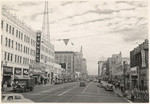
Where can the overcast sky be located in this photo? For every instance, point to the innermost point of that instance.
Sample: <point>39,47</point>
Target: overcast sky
<point>106,28</point>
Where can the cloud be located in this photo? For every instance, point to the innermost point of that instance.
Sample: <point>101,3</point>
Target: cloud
<point>135,35</point>
<point>29,3</point>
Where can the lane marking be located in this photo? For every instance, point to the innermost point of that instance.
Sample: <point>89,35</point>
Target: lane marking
<point>98,91</point>
<point>85,88</point>
<point>66,91</point>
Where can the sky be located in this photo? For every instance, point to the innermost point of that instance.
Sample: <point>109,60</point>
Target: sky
<point>101,28</point>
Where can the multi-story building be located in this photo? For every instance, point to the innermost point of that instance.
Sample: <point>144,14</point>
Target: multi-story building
<point>66,58</point>
<point>18,44</point>
<point>44,56</point>
<point>111,63</point>
<point>100,68</point>
<point>139,65</point>
<point>78,61</point>
<point>84,68</point>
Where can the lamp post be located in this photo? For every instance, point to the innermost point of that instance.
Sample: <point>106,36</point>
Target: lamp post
<point>124,72</point>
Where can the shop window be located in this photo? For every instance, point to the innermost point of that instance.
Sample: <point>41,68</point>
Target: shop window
<point>6,27</point>
<point>2,23</point>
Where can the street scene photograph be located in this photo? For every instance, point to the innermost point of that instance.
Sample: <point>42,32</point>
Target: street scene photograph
<point>73,51</point>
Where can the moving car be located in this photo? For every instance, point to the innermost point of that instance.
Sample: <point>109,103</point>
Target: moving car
<point>14,98</point>
<point>109,87</point>
<point>82,84</point>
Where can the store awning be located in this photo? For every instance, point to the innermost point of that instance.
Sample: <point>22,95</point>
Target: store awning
<point>20,77</point>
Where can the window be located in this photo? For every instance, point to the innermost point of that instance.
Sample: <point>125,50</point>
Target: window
<point>16,45</point>
<point>24,48</point>
<point>21,47</point>
<point>2,23</point>
<point>6,27</point>
<point>17,97</point>
<point>24,37</point>
<point>15,58</point>
<point>9,43</point>
<point>13,31</point>
<point>11,57</point>
<point>6,41</point>
<point>16,33</point>
<point>8,57</point>
<point>12,44</point>
<point>19,34</point>
<point>1,39</point>
<point>9,29</point>
<point>20,59</point>
<point>5,55</point>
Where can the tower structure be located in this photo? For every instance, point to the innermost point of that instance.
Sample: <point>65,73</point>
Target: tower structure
<point>45,25</point>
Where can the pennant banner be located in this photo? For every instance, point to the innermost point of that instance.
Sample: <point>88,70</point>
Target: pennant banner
<point>66,41</point>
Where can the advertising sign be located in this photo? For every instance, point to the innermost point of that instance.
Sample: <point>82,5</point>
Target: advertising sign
<point>38,43</point>
<point>17,71</point>
<point>25,72</point>
<point>143,58</point>
<point>8,71</point>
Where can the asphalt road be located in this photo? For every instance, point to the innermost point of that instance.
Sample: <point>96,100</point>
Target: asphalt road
<point>72,92</point>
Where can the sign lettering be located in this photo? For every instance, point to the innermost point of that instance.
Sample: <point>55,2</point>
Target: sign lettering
<point>38,43</point>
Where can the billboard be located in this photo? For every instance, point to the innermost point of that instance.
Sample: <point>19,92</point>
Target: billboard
<point>38,43</point>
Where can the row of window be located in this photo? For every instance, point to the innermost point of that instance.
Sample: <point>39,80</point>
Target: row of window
<point>19,34</point>
<point>10,43</point>
<point>46,58</point>
<point>47,50</point>
<point>16,58</point>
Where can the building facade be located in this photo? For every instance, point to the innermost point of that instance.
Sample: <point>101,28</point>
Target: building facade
<point>66,58</point>
<point>140,65</point>
<point>18,44</point>
<point>100,68</point>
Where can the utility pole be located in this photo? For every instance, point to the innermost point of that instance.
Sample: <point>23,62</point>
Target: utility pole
<point>124,72</point>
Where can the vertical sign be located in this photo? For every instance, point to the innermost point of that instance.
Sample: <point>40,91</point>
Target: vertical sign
<point>143,58</point>
<point>38,43</point>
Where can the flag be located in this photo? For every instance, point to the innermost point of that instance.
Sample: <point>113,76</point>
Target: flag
<point>72,43</point>
<point>66,41</point>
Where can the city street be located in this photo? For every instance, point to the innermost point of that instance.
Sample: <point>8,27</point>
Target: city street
<point>72,92</point>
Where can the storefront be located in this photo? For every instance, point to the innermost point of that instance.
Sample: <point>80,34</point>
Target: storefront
<point>7,75</point>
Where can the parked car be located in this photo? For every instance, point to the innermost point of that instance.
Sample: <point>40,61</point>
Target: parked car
<point>109,87</point>
<point>14,98</point>
<point>82,84</point>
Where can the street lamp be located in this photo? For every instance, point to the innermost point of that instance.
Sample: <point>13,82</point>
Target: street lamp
<point>124,72</point>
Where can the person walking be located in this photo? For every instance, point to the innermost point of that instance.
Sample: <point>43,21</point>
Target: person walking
<point>5,85</point>
<point>132,95</point>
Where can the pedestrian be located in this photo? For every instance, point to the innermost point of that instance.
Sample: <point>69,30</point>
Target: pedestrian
<point>12,85</point>
<point>5,85</point>
<point>132,95</point>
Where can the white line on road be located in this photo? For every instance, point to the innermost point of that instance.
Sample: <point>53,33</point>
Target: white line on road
<point>66,91</point>
<point>98,90</point>
<point>85,88</point>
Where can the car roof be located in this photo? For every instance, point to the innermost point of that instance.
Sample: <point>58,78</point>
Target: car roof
<point>12,95</point>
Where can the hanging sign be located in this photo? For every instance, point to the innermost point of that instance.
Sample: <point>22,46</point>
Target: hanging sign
<point>143,58</point>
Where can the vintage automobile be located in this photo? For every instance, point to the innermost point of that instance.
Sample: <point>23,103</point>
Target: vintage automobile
<point>109,87</point>
<point>15,98</point>
<point>24,84</point>
<point>82,84</point>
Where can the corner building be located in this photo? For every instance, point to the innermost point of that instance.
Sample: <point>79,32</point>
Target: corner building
<point>18,44</point>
